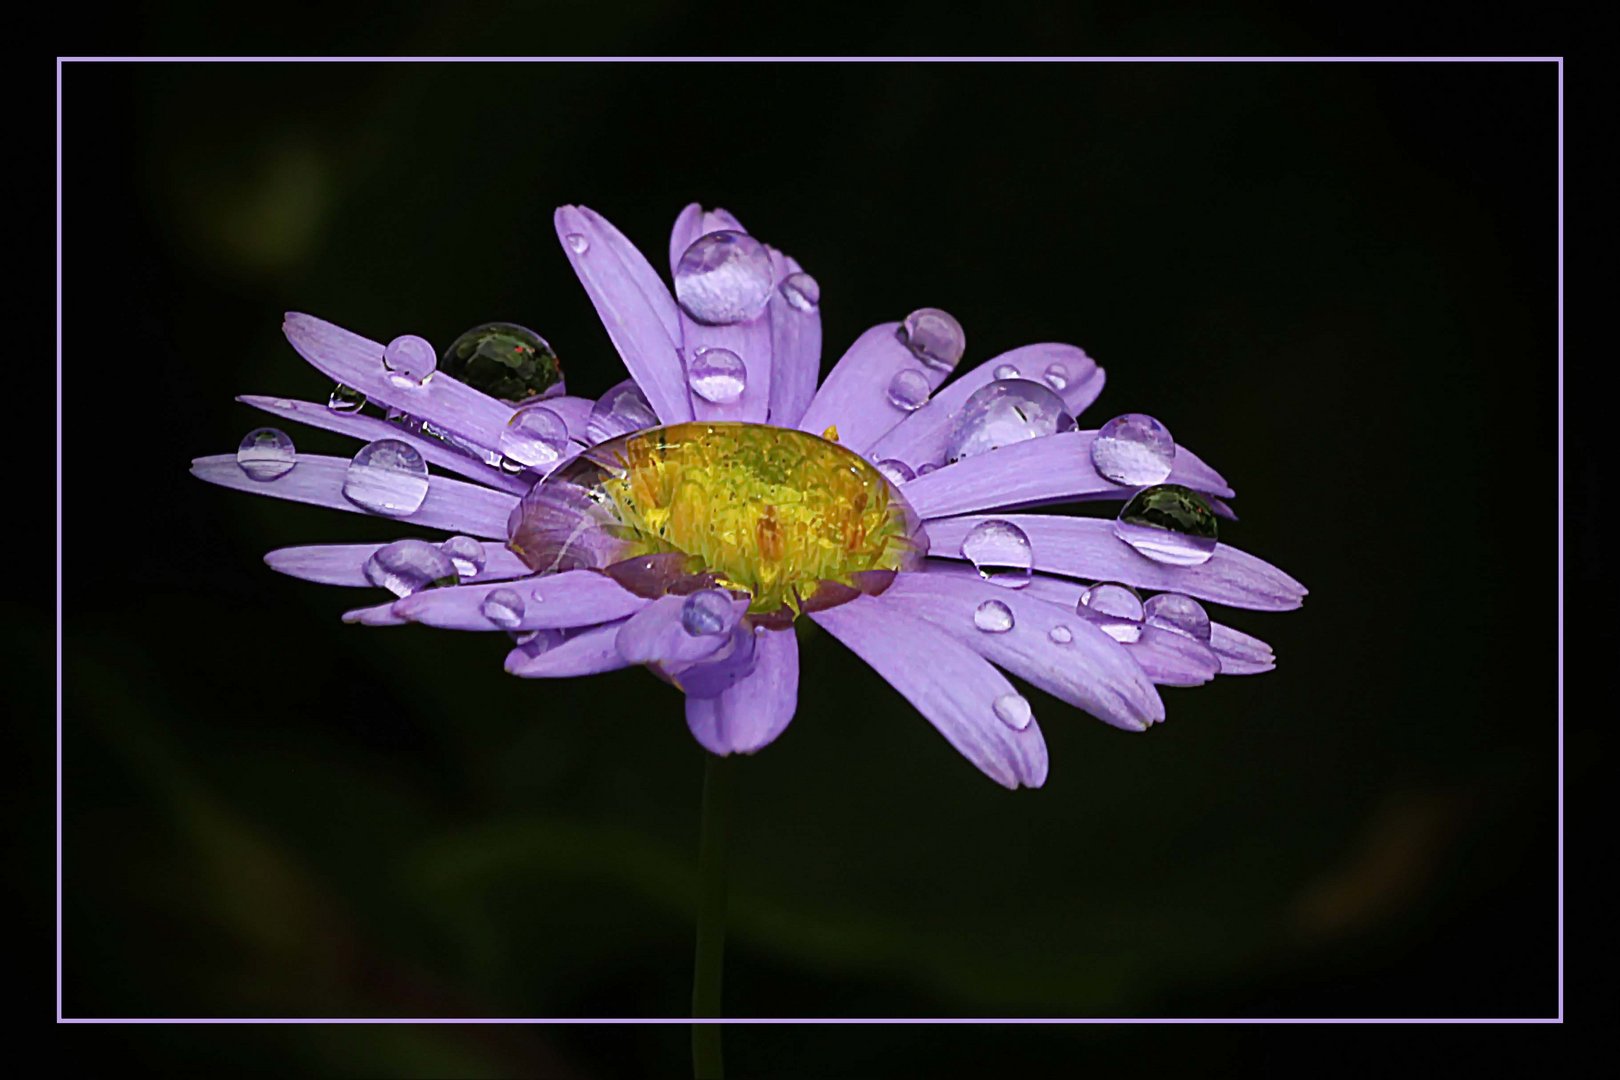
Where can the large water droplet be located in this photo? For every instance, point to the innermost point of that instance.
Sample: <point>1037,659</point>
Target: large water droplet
<point>895,471</point>
<point>735,662</point>
<point>387,477</point>
<point>533,436</point>
<point>577,243</point>
<point>266,453</point>
<point>1000,551</point>
<point>802,291</point>
<point>345,399</point>
<point>723,277</point>
<point>1004,412</point>
<point>623,409</point>
<point>1115,608</point>
<point>1013,710</point>
<point>1178,613</point>
<point>717,375</point>
<point>934,337</point>
<point>708,612</point>
<point>993,617</point>
<point>1134,449</point>
<point>1060,634</point>
<point>505,361</point>
<point>503,607</point>
<point>1169,524</point>
<point>466,553</point>
<point>908,389</point>
<point>410,361</point>
<point>1057,377</point>
<point>409,566</point>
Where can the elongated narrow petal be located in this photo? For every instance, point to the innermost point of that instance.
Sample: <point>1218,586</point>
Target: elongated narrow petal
<point>949,683</point>
<point>370,428</point>
<point>751,714</point>
<point>687,228</point>
<point>795,347</point>
<point>379,615</point>
<point>920,438</point>
<point>1048,469</point>
<point>1087,548</point>
<point>554,602</point>
<point>634,305</point>
<point>355,361</point>
<point>751,342</point>
<point>1084,666</point>
<point>453,505</point>
<point>1172,659</point>
<point>586,652</point>
<point>855,396</point>
<point>655,634</point>
<point>345,564</point>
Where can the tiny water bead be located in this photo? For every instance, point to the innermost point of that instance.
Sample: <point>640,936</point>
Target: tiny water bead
<point>466,553</point>
<point>1133,449</point>
<point>1007,371</point>
<point>535,435</point>
<point>708,612</point>
<point>1178,613</point>
<point>1013,710</point>
<point>717,375</point>
<point>409,566</point>
<point>1004,412</point>
<point>410,361</point>
<point>577,243</point>
<point>1169,524</point>
<point>345,399</point>
<point>266,453</point>
<point>895,471</point>
<point>387,477</point>
<point>505,361</point>
<point>623,409</point>
<point>503,607</point>
<point>1060,634</point>
<point>802,291</point>
<point>1116,609</point>
<point>908,390</point>
<point>1057,377</point>
<point>934,337</point>
<point>993,617</point>
<point>724,277</point>
<point>1000,552</point>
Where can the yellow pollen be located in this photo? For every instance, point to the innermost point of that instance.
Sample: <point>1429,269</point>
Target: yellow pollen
<point>831,434</point>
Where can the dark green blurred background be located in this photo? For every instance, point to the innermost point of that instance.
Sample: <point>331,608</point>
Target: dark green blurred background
<point>1334,282</point>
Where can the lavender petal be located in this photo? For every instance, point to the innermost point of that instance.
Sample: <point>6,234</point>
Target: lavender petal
<point>586,652</point>
<point>795,349</point>
<point>344,564</point>
<point>553,602</point>
<point>854,398</point>
<point>751,714</point>
<point>654,634</point>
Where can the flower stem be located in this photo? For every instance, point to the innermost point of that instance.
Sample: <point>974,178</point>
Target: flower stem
<point>707,1063</point>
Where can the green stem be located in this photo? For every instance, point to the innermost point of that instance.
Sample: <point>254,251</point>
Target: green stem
<point>707,1063</point>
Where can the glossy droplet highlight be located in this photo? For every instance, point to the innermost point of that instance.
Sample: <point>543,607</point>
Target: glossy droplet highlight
<point>1007,371</point>
<point>895,471</point>
<point>577,243</point>
<point>1057,377</point>
<point>503,607</point>
<point>993,617</point>
<point>1060,634</point>
<point>410,361</point>
<point>1116,609</point>
<point>533,436</point>
<point>1178,613</point>
<point>717,375</point>
<point>708,612</point>
<point>801,291</point>
<point>1133,449</point>
<point>1004,412</point>
<point>1014,711</point>
<point>623,409</point>
<point>908,390</point>
<point>266,453</point>
<point>466,553</point>
<point>345,399</point>
<point>1170,524</point>
<point>934,337</point>
<point>409,566</point>
<point>1000,552</point>
<point>723,278</point>
<point>505,361</point>
<point>387,477</point>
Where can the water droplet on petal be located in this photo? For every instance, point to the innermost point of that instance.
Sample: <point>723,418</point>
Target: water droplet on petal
<point>1004,412</point>
<point>934,337</point>
<point>1133,449</point>
<point>623,409</point>
<point>1169,524</point>
<point>1007,371</point>
<point>1062,635</point>
<point>345,399</point>
<point>1057,377</point>
<point>505,361</point>
<point>724,277</point>
<point>577,243</point>
<point>1013,710</point>
<point>1178,613</point>
<point>466,553</point>
<point>387,477</point>
<point>895,471</point>
<point>993,617</point>
<point>802,291</point>
<point>266,453</point>
<point>717,375</point>
<point>1116,609</point>
<point>708,612</point>
<point>926,467</point>
<point>533,436</point>
<point>908,389</point>
<point>409,566</point>
<point>410,361</point>
<point>503,607</point>
<point>1000,551</point>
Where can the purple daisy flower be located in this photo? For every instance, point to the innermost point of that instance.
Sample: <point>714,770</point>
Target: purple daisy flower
<point>686,519</point>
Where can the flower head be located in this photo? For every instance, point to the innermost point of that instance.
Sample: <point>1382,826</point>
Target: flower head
<point>686,519</point>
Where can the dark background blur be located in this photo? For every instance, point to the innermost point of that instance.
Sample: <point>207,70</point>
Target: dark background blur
<point>1336,283</point>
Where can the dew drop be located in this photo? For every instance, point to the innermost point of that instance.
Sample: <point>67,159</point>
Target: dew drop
<point>505,361</point>
<point>802,291</point>
<point>1133,449</point>
<point>1178,613</point>
<point>410,361</point>
<point>908,389</point>
<point>717,375</point>
<point>345,399</point>
<point>387,477</point>
<point>708,612</point>
<point>1004,412</point>
<point>533,436</point>
<point>1116,609</point>
<point>1007,371</point>
<point>503,607</point>
<point>895,471</point>
<point>993,617</point>
<point>934,337</point>
<point>1060,634</point>
<point>1057,377</point>
<point>1013,710</point>
<point>466,553</point>
<point>623,409</point>
<point>577,243</point>
<point>1169,524</point>
<point>409,566</point>
<point>723,277</point>
<point>1000,551</point>
<point>266,453</point>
